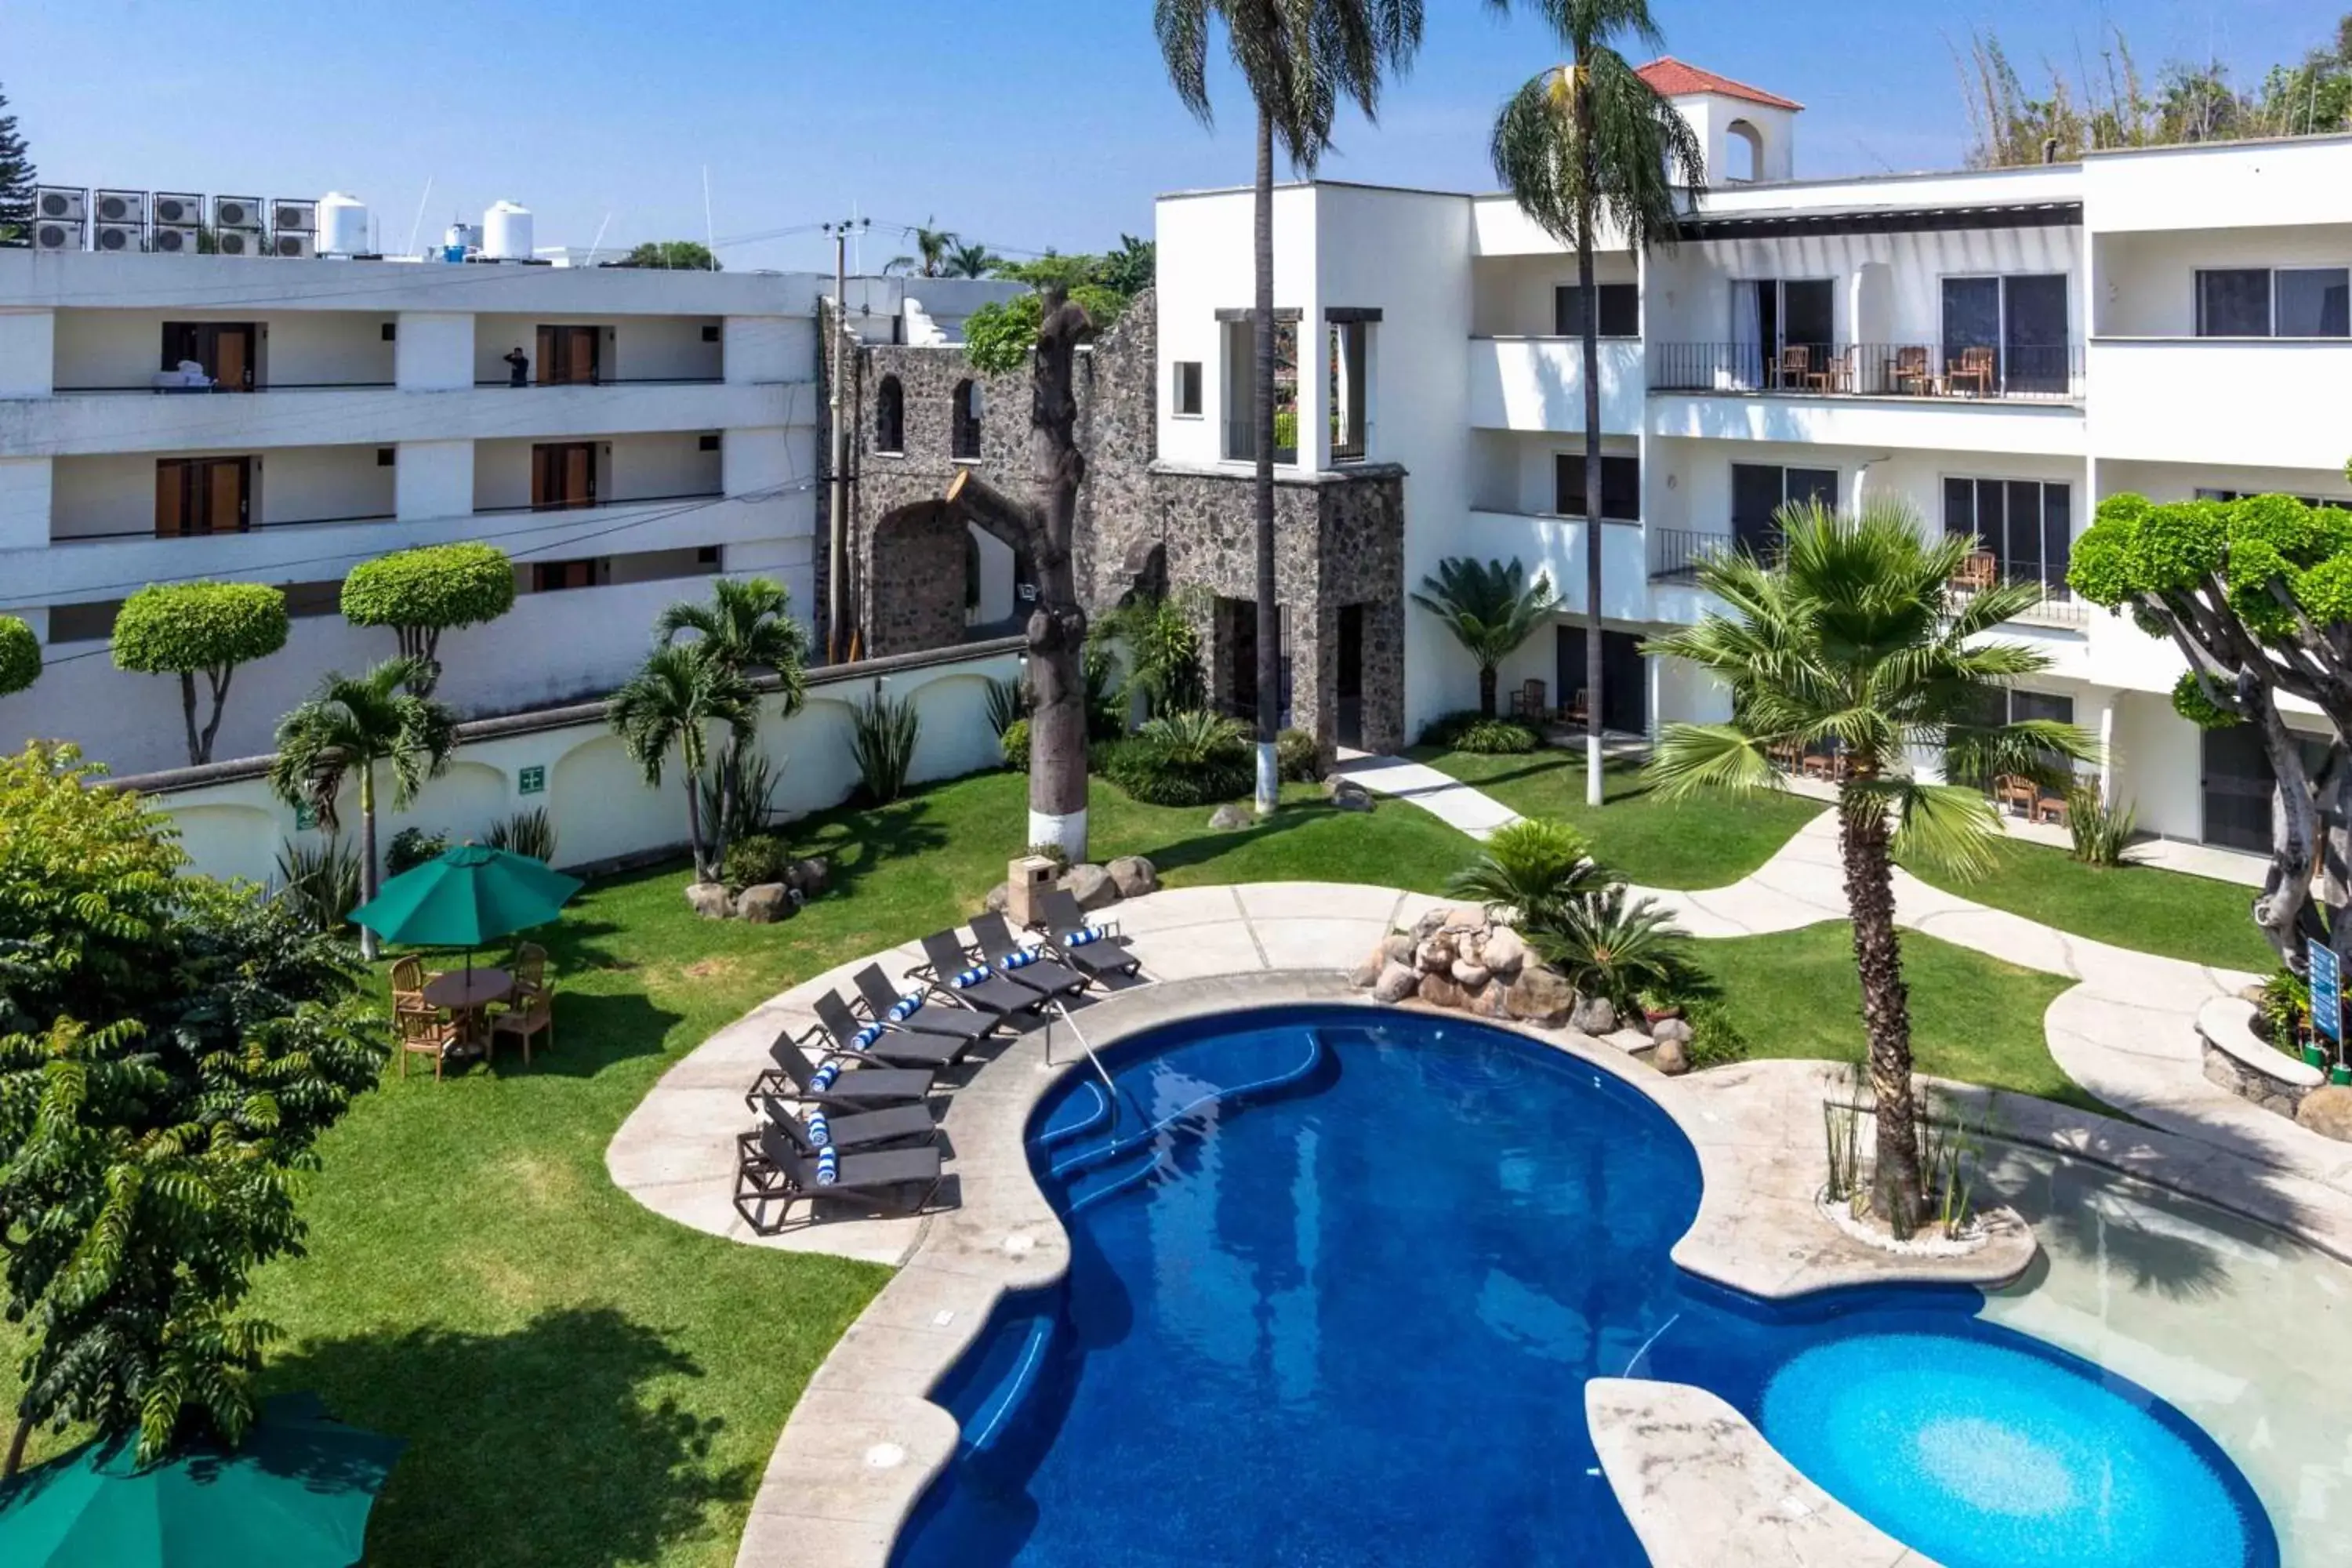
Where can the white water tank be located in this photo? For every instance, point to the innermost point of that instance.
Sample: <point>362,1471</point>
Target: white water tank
<point>506,232</point>
<point>342,225</point>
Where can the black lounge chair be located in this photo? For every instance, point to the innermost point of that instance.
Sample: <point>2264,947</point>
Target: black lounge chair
<point>874,988</point>
<point>1106,955</point>
<point>888,1045</point>
<point>997,993</point>
<point>857,1088</point>
<point>889,1182</point>
<point>851,1129</point>
<point>1044,971</point>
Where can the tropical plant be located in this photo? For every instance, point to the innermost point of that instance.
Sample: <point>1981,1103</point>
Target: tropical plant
<point>1148,772</point>
<point>1099,677</point>
<point>1014,744</point>
<point>1609,943</point>
<point>1529,870</point>
<point>412,848</point>
<point>1192,737</point>
<point>170,1051</point>
<point>1714,1040</point>
<point>20,656</point>
<point>321,882</point>
<point>2101,832</point>
<point>1000,335</point>
<point>1491,609</point>
<point>526,833</point>
<point>882,733</point>
<point>1162,640</point>
<point>356,723</point>
<point>1298,60</point>
<point>747,625</point>
<point>1854,638</point>
<point>2284,1010</point>
<point>1131,269</point>
<point>1590,148</point>
<point>1301,758</point>
<point>756,859</point>
<point>1008,702</point>
<point>933,246</point>
<point>685,255</point>
<point>422,593</point>
<point>970,260</point>
<point>670,705</point>
<point>199,629</point>
<point>1471,730</point>
<point>738,793</point>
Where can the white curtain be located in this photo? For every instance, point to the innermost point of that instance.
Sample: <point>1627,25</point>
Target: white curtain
<point>1747,367</point>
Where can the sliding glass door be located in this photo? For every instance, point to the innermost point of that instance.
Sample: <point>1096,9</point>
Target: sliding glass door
<point>2026,526</point>
<point>2007,334</point>
<point>1759,491</point>
<point>1782,323</point>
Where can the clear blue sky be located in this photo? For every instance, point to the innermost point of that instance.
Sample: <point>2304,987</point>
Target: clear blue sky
<point>1024,123</point>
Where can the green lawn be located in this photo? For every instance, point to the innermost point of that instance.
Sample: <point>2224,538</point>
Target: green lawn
<point>2166,912</point>
<point>1660,844</point>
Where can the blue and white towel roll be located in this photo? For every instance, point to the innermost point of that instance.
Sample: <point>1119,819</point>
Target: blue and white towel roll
<point>972,976</point>
<point>1019,958</point>
<point>823,1079</point>
<point>906,1007</point>
<point>868,1036</point>
<point>820,1131</point>
<point>828,1166</point>
<point>1082,937</point>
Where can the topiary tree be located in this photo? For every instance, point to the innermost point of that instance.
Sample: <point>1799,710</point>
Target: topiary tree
<point>20,656</point>
<point>199,629</point>
<point>422,593</point>
<point>2257,596</point>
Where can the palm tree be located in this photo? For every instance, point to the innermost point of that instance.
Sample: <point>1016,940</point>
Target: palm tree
<point>1490,607</point>
<point>669,705</point>
<point>931,247</point>
<point>1854,639</point>
<point>356,723</point>
<point>1298,57</point>
<point>973,260</point>
<point>1584,145</point>
<point>748,625</point>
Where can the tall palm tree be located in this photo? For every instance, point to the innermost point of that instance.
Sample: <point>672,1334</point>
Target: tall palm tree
<point>1490,607</point>
<point>931,247</point>
<point>748,625</point>
<point>1853,638</point>
<point>1583,146</point>
<point>354,723</point>
<point>1298,57</point>
<point>970,260</point>
<point>669,705</point>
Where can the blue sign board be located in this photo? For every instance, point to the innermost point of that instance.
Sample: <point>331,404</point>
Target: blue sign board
<point>2326,991</point>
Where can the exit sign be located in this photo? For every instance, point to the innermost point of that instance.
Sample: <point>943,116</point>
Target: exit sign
<point>306,817</point>
<point>530,780</point>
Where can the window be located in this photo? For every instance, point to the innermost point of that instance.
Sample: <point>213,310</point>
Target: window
<point>1240,375</point>
<point>2026,526</point>
<point>1759,491</point>
<point>1621,487</point>
<point>387,456</point>
<point>391,332</point>
<point>2287,302</point>
<point>93,622</point>
<point>2313,302</point>
<point>1621,309</point>
<point>203,495</point>
<point>2205,494</point>
<point>1186,393</point>
<point>2014,326</point>
<point>708,443</point>
<point>554,576</point>
<point>889,416</point>
<point>964,437</point>
<point>1350,355</point>
<point>308,601</point>
<point>710,333</point>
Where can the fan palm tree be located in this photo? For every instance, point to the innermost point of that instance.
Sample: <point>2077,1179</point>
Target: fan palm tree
<point>1298,59</point>
<point>669,705</point>
<point>1584,146</point>
<point>970,260</point>
<point>1853,638</point>
<point>354,723</point>
<point>1490,607</point>
<point>931,247</point>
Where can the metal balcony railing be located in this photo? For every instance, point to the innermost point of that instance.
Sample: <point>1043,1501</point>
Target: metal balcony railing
<point>1240,443</point>
<point>1676,554</point>
<point>2046,373</point>
<point>2056,607</point>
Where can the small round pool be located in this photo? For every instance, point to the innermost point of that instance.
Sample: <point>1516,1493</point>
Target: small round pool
<point>1338,1279</point>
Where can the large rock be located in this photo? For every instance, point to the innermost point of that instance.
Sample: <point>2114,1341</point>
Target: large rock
<point>1397,982</point>
<point>1346,795</point>
<point>1133,875</point>
<point>1399,946</point>
<point>1369,972</point>
<point>1676,1029</point>
<point>999,899</point>
<point>1467,917</point>
<point>1670,1058</point>
<point>1594,1016</point>
<point>1540,996</point>
<point>765,904</point>
<point>2327,1110</point>
<point>1468,975</point>
<point>709,900</point>
<point>1227,817</point>
<point>1503,951</point>
<point>1436,955</point>
<point>808,878</point>
<point>1091,886</point>
<point>1432,921</point>
<point>1440,991</point>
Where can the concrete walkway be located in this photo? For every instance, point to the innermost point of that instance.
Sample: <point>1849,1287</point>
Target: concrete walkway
<point>1448,799</point>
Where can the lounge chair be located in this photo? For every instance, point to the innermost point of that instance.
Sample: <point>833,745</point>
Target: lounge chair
<point>1102,954</point>
<point>852,1130</point>
<point>885,1003</point>
<point>991,993</point>
<point>882,1042</point>
<point>771,1171</point>
<point>1029,966</point>
<point>794,1076</point>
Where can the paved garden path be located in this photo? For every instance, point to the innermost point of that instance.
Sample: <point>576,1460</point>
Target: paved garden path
<point>1446,799</point>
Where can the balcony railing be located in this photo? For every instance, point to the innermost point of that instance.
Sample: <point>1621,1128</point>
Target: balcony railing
<point>1676,554</point>
<point>685,499</point>
<point>2056,607</point>
<point>2051,374</point>
<point>1240,443</point>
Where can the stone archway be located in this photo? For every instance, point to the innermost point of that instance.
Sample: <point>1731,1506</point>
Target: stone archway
<point>917,576</point>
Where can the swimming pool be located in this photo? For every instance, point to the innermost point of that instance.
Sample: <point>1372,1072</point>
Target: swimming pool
<point>1337,1281</point>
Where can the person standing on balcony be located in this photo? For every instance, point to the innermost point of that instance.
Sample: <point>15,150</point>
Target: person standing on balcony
<point>518,367</point>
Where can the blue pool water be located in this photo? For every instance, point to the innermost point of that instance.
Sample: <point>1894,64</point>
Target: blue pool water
<point>1338,1283</point>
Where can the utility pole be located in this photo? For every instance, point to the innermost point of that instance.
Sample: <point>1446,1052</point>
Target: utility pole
<point>837,557</point>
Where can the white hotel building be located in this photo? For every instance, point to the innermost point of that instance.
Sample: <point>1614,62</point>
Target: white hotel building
<point>2003,349</point>
<point>667,430</point>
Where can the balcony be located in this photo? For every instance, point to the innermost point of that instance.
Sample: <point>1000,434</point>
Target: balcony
<point>2055,607</point>
<point>1537,385</point>
<point>1676,554</point>
<point>2251,402</point>
<point>1554,545</point>
<point>1927,372</point>
<point>1241,440</point>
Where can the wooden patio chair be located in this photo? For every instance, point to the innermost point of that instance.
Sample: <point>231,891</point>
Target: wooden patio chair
<point>409,978</point>
<point>1795,367</point>
<point>1836,372</point>
<point>529,970</point>
<point>1980,571</point>
<point>1574,713</point>
<point>2017,791</point>
<point>533,1013</point>
<point>1974,368</point>
<point>425,1033</point>
<point>1528,702</point>
<point>2049,809</point>
<point>1909,373</point>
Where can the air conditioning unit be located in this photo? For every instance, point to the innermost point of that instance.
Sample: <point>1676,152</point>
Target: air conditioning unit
<point>237,242</point>
<point>119,206</point>
<point>56,204</point>
<point>119,237</point>
<point>176,209</point>
<point>56,236</point>
<point>172,241</point>
<point>238,213</point>
<point>293,246</point>
<point>295,215</point>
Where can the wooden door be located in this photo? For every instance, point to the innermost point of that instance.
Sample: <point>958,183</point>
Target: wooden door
<point>203,495</point>
<point>231,363</point>
<point>568,355</point>
<point>563,475</point>
<point>227,494</point>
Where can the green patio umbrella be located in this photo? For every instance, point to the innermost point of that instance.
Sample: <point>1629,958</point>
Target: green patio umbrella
<point>471,895</point>
<point>295,1494</point>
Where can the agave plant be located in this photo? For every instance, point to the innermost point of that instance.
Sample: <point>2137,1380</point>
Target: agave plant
<point>2101,832</point>
<point>1529,870</point>
<point>1610,943</point>
<point>322,884</point>
<point>530,833</point>
<point>738,793</point>
<point>1192,737</point>
<point>882,739</point>
<point>1008,702</point>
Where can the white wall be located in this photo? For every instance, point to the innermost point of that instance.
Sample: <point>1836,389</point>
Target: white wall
<point>1204,266</point>
<point>27,353</point>
<point>2148,281</point>
<point>2222,185</point>
<point>1514,296</point>
<point>2252,403</point>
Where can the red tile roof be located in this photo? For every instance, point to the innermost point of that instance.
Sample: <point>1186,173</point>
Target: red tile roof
<point>1669,77</point>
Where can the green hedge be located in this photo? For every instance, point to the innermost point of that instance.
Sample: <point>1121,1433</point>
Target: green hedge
<point>433,588</point>
<point>1015,741</point>
<point>1150,773</point>
<point>174,628</point>
<point>1295,756</point>
<point>20,656</point>
<point>757,860</point>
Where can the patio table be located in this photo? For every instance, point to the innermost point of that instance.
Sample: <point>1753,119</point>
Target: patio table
<point>465,992</point>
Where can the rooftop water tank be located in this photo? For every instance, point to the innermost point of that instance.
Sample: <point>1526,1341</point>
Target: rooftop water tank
<point>506,232</point>
<point>342,225</point>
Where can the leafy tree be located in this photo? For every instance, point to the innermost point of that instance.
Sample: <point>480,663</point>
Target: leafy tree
<point>1589,146</point>
<point>422,593</point>
<point>199,629</point>
<point>686,255</point>
<point>970,260</point>
<point>1133,268</point>
<point>2257,596</point>
<point>748,626</point>
<point>170,1051</point>
<point>669,705</point>
<point>1298,58</point>
<point>1491,609</point>
<point>16,177</point>
<point>20,656</point>
<point>358,722</point>
<point>1162,641</point>
<point>1855,639</point>
<point>931,248</point>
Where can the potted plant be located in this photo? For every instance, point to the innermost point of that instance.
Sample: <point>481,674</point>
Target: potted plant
<point>1658,1004</point>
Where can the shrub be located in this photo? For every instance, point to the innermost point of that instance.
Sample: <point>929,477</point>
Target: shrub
<point>1059,856</point>
<point>191,628</point>
<point>1716,1041</point>
<point>1015,743</point>
<point>1194,737</point>
<point>2284,1011</point>
<point>738,793</point>
<point>1610,943</point>
<point>2101,832</point>
<point>1106,711</point>
<point>412,848</point>
<point>1470,730</point>
<point>530,833</point>
<point>422,593</point>
<point>20,656</point>
<point>1161,639</point>
<point>321,885</point>
<point>1183,759</point>
<point>755,859</point>
<point>883,742</point>
<point>1298,757</point>
<point>1008,703</point>
<point>1532,867</point>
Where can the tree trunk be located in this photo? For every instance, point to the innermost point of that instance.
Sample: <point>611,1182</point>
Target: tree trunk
<point>702,867</point>
<point>17,1446</point>
<point>1585,151</point>
<point>218,679</point>
<point>369,883</point>
<point>2283,909</point>
<point>1269,609</point>
<point>188,715</point>
<point>1886,1008</point>
<point>1487,689</point>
